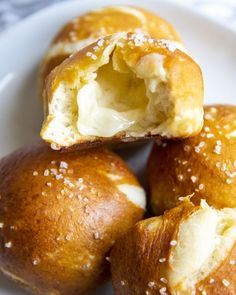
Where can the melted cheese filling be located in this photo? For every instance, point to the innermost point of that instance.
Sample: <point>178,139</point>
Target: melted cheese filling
<point>204,241</point>
<point>112,99</point>
<point>61,48</point>
<point>134,194</point>
<point>121,99</point>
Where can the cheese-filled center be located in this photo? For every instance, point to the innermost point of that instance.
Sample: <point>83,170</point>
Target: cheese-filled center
<point>119,98</point>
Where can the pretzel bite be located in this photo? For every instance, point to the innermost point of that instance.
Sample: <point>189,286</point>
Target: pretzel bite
<point>60,214</point>
<point>203,166</point>
<point>188,250</point>
<point>124,87</point>
<point>87,28</point>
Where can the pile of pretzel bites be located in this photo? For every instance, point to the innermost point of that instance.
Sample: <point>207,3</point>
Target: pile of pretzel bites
<point>71,211</point>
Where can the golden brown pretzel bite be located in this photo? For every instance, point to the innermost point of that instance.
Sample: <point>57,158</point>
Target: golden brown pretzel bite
<point>188,250</point>
<point>60,214</point>
<point>124,87</point>
<point>204,165</point>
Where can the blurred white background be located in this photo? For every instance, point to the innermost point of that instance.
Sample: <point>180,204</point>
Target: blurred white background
<point>11,11</point>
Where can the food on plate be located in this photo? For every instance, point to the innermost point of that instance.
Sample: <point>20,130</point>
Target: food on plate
<point>87,28</point>
<point>188,250</point>
<point>60,214</point>
<point>203,166</point>
<point>124,87</point>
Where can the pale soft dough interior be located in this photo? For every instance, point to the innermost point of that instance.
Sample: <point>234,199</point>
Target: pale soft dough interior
<point>113,98</point>
<point>204,241</point>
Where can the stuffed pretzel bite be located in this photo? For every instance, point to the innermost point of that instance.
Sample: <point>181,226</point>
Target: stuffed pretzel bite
<point>188,250</point>
<point>125,87</point>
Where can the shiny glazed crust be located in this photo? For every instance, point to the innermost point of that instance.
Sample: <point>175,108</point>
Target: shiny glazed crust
<point>141,260</point>
<point>184,85</point>
<point>59,216</point>
<point>87,28</point>
<point>203,166</point>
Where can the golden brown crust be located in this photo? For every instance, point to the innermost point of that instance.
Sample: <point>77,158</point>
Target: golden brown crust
<point>142,258</point>
<point>68,70</point>
<point>49,66</point>
<point>102,22</point>
<point>110,20</point>
<point>59,216</point>
<point>184,79</point>
<point>114,142</point>
<point>203,165</point>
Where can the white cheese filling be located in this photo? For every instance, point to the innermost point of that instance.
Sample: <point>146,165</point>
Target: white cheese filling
<point>115,101</point>
<point>112,98</point>
<point>61,48</point>
<point>134,194</point>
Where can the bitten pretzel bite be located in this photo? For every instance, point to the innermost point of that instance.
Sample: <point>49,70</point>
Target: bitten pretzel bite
<point>124,87</point>
<point>87,28</point>
<point>188,250</point>
<point>203,166</point>
<point>60,214</point>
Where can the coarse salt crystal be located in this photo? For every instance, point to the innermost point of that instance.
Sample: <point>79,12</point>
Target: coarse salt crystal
<point>217,149</point>
<point>151,284</point>
<point>225,282</point>
<point>8,245</point>
<point>46,172</point>
<point>193,178</point>
<point>173,243</point>
<point>162,291</point>
<point>180,177</point>
<point>163,280</point>
<point>201,186</point>
<point>163,259</point>
<point>63,165</point>
<point>55,147</point>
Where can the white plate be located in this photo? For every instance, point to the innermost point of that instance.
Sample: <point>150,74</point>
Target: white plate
<point>22,47</point>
